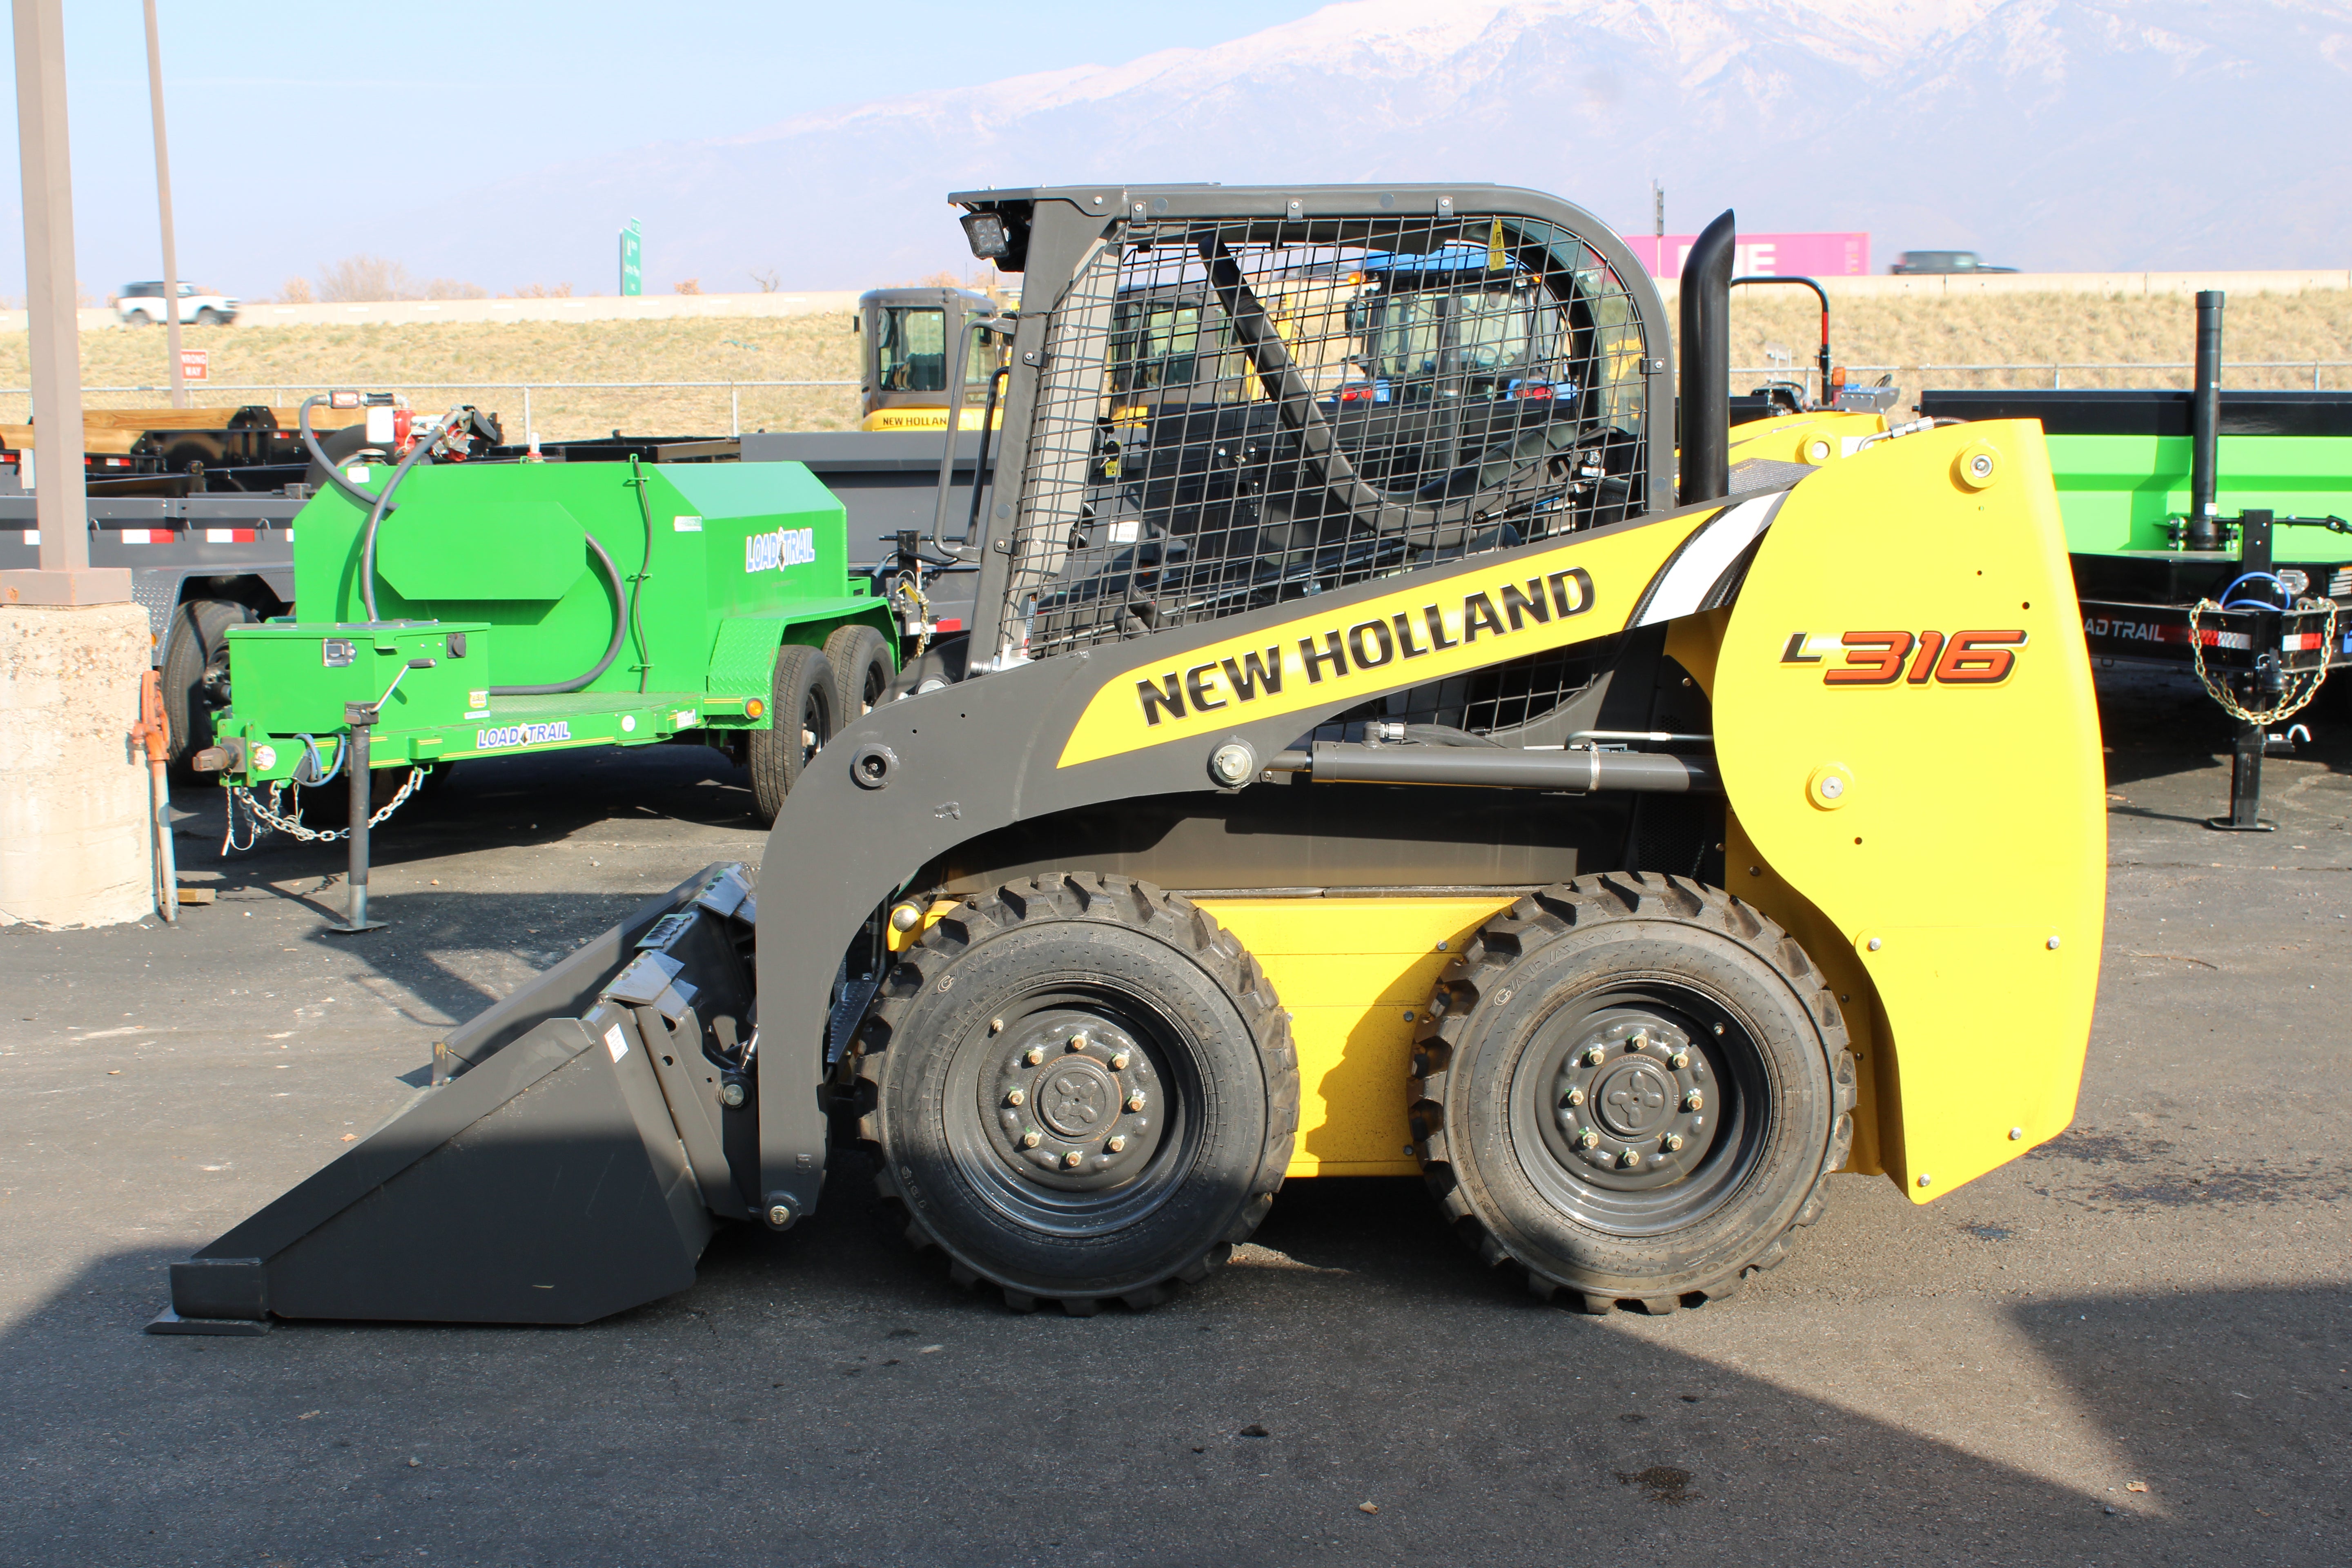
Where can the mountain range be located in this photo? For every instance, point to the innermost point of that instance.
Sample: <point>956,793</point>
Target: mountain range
<point>2047,134</point>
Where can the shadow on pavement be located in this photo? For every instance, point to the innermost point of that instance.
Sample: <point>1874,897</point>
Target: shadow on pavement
<point>824,1397</point>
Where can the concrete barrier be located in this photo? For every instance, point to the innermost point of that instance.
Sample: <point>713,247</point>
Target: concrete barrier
<point>77,839</point>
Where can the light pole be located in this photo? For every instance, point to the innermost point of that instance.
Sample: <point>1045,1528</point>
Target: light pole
<point>163,201</point>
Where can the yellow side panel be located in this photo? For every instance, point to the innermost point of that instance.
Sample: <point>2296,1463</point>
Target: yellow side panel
<point>1354,974</point>
<point>1954,814</point>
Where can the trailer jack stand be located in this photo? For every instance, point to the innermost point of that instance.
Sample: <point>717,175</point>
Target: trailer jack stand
<point>2246,784</point>
<point>361,717</point>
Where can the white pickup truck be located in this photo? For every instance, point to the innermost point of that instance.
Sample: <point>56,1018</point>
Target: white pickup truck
<point>142,305</point>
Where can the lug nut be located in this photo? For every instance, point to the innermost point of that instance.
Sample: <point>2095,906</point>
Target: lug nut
<point>1674,1142</point>
<point>996,1026</point>
<point>1629,1159</point>
<point>1135,1101</point>
<point>1638,1040</point>
<point>1576,1096</point>
<point>1595,1057</point>
<point>1694,1100</point>
<point>1118,1061</point>
<point>1072,1159</point>
<point>1032,1138</point>
<point>1077,1043</point>
<point>1033,1055</point>
<point>1116,1145</point>
<point>1586,1139</point>
<point>1014,1097</point>
<point>1679,1060</point>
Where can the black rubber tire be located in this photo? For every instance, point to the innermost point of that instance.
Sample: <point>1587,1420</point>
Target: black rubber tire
<point>1170,1007</point>
<point>1585,962</point>
<point>195,669</point>
<point>209,317</point>
<point>862,671</point>
<point>801,709</point>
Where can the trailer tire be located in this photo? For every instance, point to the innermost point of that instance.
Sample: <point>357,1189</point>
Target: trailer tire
<point>1633,1087</point>
<point>801,711</point>
<point>195,670</point>
<point>1030,1031</point>
<point>862,671</point>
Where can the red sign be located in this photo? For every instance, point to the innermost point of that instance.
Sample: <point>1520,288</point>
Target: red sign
<point>195,364</point>
<point>1763,255</point>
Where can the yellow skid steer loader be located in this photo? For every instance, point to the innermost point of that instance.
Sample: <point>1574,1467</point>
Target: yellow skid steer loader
<point>1395,748</point>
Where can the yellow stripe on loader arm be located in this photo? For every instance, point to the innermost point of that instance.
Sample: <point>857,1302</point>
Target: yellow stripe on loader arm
<point>1907,738</point>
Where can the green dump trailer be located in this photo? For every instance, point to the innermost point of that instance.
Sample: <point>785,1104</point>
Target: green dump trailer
<point>2208,530</point>
<point>497,610</point>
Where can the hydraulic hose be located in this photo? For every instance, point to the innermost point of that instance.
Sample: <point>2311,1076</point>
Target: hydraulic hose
<point>319,454</point>
<point>621,600</point>
<point>383,504</point>
<point>380,505</point>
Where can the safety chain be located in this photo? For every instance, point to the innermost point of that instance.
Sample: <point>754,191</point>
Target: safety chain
<point>2294,698</point>
<point>911,585</point>
<point>267,817</point>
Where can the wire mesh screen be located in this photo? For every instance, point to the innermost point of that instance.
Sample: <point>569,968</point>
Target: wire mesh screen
<point>1234,414</point>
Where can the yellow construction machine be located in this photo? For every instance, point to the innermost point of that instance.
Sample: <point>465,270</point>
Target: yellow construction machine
<point>910,339</point>
<point>1463,778</point>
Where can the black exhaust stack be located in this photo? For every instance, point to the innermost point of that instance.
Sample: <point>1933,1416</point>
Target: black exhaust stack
<point>1706,365</point>
<point>2205,425</point>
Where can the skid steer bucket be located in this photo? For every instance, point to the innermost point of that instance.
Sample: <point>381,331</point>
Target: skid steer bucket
<point>566,1163</point>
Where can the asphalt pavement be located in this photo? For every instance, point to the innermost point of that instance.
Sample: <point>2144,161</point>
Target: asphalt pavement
<point>2132,1346</point>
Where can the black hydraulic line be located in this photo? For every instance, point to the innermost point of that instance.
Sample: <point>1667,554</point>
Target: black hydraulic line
<point>319,454</point>
<point>622,599</point>
<point>1819,292</point>
<point>382,505</point>
<point>1706,363</point>
<point>644,570</point>
<point>2205,425</point>
<point>611,649</point>
<point>1502,767</point>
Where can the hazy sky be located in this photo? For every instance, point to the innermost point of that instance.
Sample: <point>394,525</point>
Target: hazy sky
<point>338,105</point>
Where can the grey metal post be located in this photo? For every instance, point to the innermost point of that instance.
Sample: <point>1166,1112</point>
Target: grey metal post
<point>163,204</point>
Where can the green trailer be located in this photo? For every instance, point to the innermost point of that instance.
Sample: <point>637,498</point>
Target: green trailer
<point>2208,530</point>
<point>457,610</point>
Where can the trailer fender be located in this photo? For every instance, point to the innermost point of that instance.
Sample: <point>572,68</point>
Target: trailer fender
<point>744,652</point>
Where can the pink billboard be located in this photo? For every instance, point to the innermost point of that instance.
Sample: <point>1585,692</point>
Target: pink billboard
<point>1762,254</point>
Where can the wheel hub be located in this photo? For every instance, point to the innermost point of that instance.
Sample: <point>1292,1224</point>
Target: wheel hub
<point>1630,1100</point>
<point>1074,1103</point>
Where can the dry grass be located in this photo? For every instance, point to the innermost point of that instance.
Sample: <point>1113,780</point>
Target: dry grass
<point>489,358</point>
<point>2040,329</point>
<point>2034,330</point>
